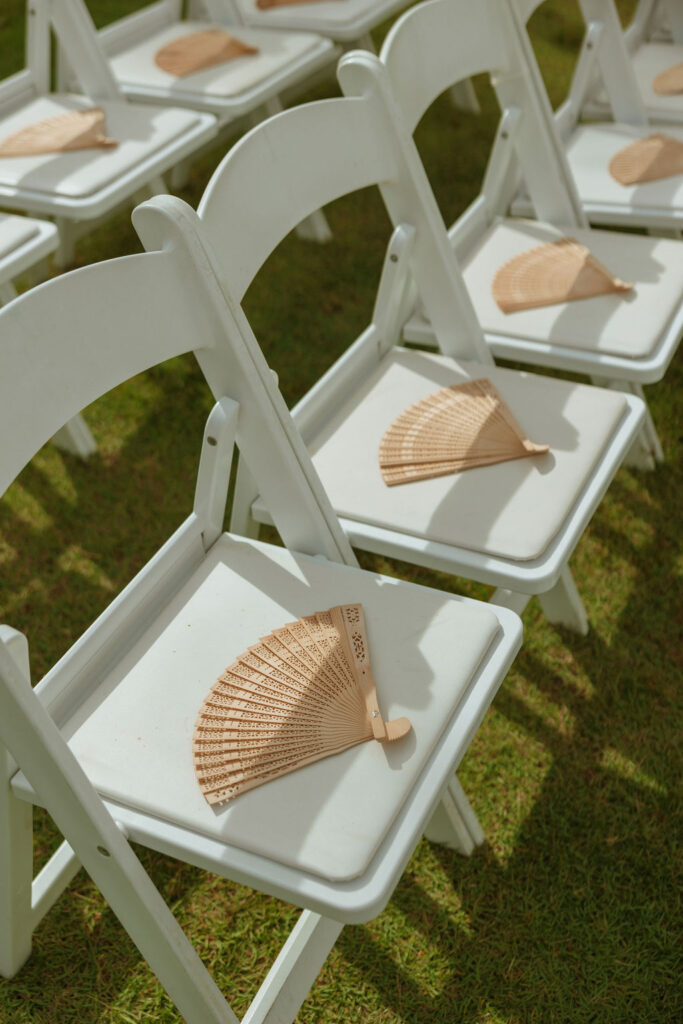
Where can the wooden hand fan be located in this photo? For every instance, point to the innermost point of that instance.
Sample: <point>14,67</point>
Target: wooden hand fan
<point>263,5</point>
<point>560,271</point>
<point>77,129</point>
<point>456,428</point>
<point>649,159</point>
<point>300,694</point>
<point>200,50</point>
<point>669,82</point>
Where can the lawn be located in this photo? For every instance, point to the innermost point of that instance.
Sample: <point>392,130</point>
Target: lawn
<point>571,911</point>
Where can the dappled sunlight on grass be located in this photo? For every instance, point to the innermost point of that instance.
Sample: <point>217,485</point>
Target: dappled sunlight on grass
<point>567,914</point>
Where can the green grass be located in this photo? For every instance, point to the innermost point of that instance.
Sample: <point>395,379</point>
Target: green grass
<point>571,912</point>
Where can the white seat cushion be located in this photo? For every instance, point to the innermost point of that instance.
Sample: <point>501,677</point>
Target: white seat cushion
<point>135,67</point>
<point>589,152</point>
<point>15,232</point>
<point>141,133</point>
<point>628,324</point>
<point>134,736</point>
<point>513,509</point>
<point>345,20</point>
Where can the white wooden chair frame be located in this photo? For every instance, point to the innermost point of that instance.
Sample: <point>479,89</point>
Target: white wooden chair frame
<point>526,143</point>
<point>650,52</point>
<point>76,35</point>
<point>74,437</point>
<point>134,28</point>
<point>175,280</point>
<point>604,53</point>
<point>383,154</point>
<point>257,100</point>
<point>349,23</point>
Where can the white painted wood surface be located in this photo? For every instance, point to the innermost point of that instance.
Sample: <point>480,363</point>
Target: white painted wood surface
<point>631,340</point>
<point>150,307</point>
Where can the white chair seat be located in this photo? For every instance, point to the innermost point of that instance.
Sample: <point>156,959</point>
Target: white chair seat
<point>589,152</point>
<point>16,232</point>
<point>23,241</point>
<point>133,736</point>
<point>144,134</point>
<point>281,56</point>
<point>512,510</point>
<point>629,325</point>
<point>343,20</point>
<point>648,61</point>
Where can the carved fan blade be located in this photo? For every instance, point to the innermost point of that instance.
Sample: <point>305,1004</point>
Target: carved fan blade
<point>301,693</point>
<point>456,428</point>
<point>200,50</point>
<point>649,159</point>
<point>669,82</point>
<point>77,129</point>
<point>560,271</point>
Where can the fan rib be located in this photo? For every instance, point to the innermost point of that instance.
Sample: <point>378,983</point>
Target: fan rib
<point>459,427</point>
<point>669,82</point>
<point>63,133</point>
<point>302,693</point>
<point>552,273</point>
<point>199,51</point>
<point>649,159</point>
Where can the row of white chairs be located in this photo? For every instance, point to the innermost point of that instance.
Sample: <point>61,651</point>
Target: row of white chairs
<point>88,742</point>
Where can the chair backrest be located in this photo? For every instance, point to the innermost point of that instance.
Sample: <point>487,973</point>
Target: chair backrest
<point>76,35</point>
<point>68,341</point>
<point>604,52</point>
<point>654,18</point>
<point>438,43</point>
<point>294,163</point>
<point>131,28</point>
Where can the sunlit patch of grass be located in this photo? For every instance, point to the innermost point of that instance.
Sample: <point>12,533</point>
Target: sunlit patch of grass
<point>570,912</point>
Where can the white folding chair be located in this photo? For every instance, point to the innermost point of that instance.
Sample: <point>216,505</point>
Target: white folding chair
<point>247,86</point>
<point>81,186</point>
<point>627,341</point>
<point>663,18</point>
<point>349,23</point>
<point>655,205</point>
<point>24,242</point>
<point>227,90</point>
<point>104,741</point>
<point>651,53</point>
<point>513,525</point>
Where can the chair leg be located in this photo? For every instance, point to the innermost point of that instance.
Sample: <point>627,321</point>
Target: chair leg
<point>454,823</point>
<point>75,438</point>
<point>646,450</point>
<point>16,845</point>
<point>562,604</point>
<point>315,228</point>
<point>463,96</point>
<point>246,491</point>
<point>65,252</point>
<point>511,599</point>
<point>297,966</point>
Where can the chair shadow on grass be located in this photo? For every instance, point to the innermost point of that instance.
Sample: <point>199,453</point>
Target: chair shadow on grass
<point>572,924</point>
<point>578,923</point>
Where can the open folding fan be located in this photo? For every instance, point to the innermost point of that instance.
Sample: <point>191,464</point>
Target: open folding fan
<point>77,129</point>
<point>456,428</point>
<point>560,271</point>
<point>200,50</point>
<point>649,159</point>
<point>300,694</point>
<point>669,82</point>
